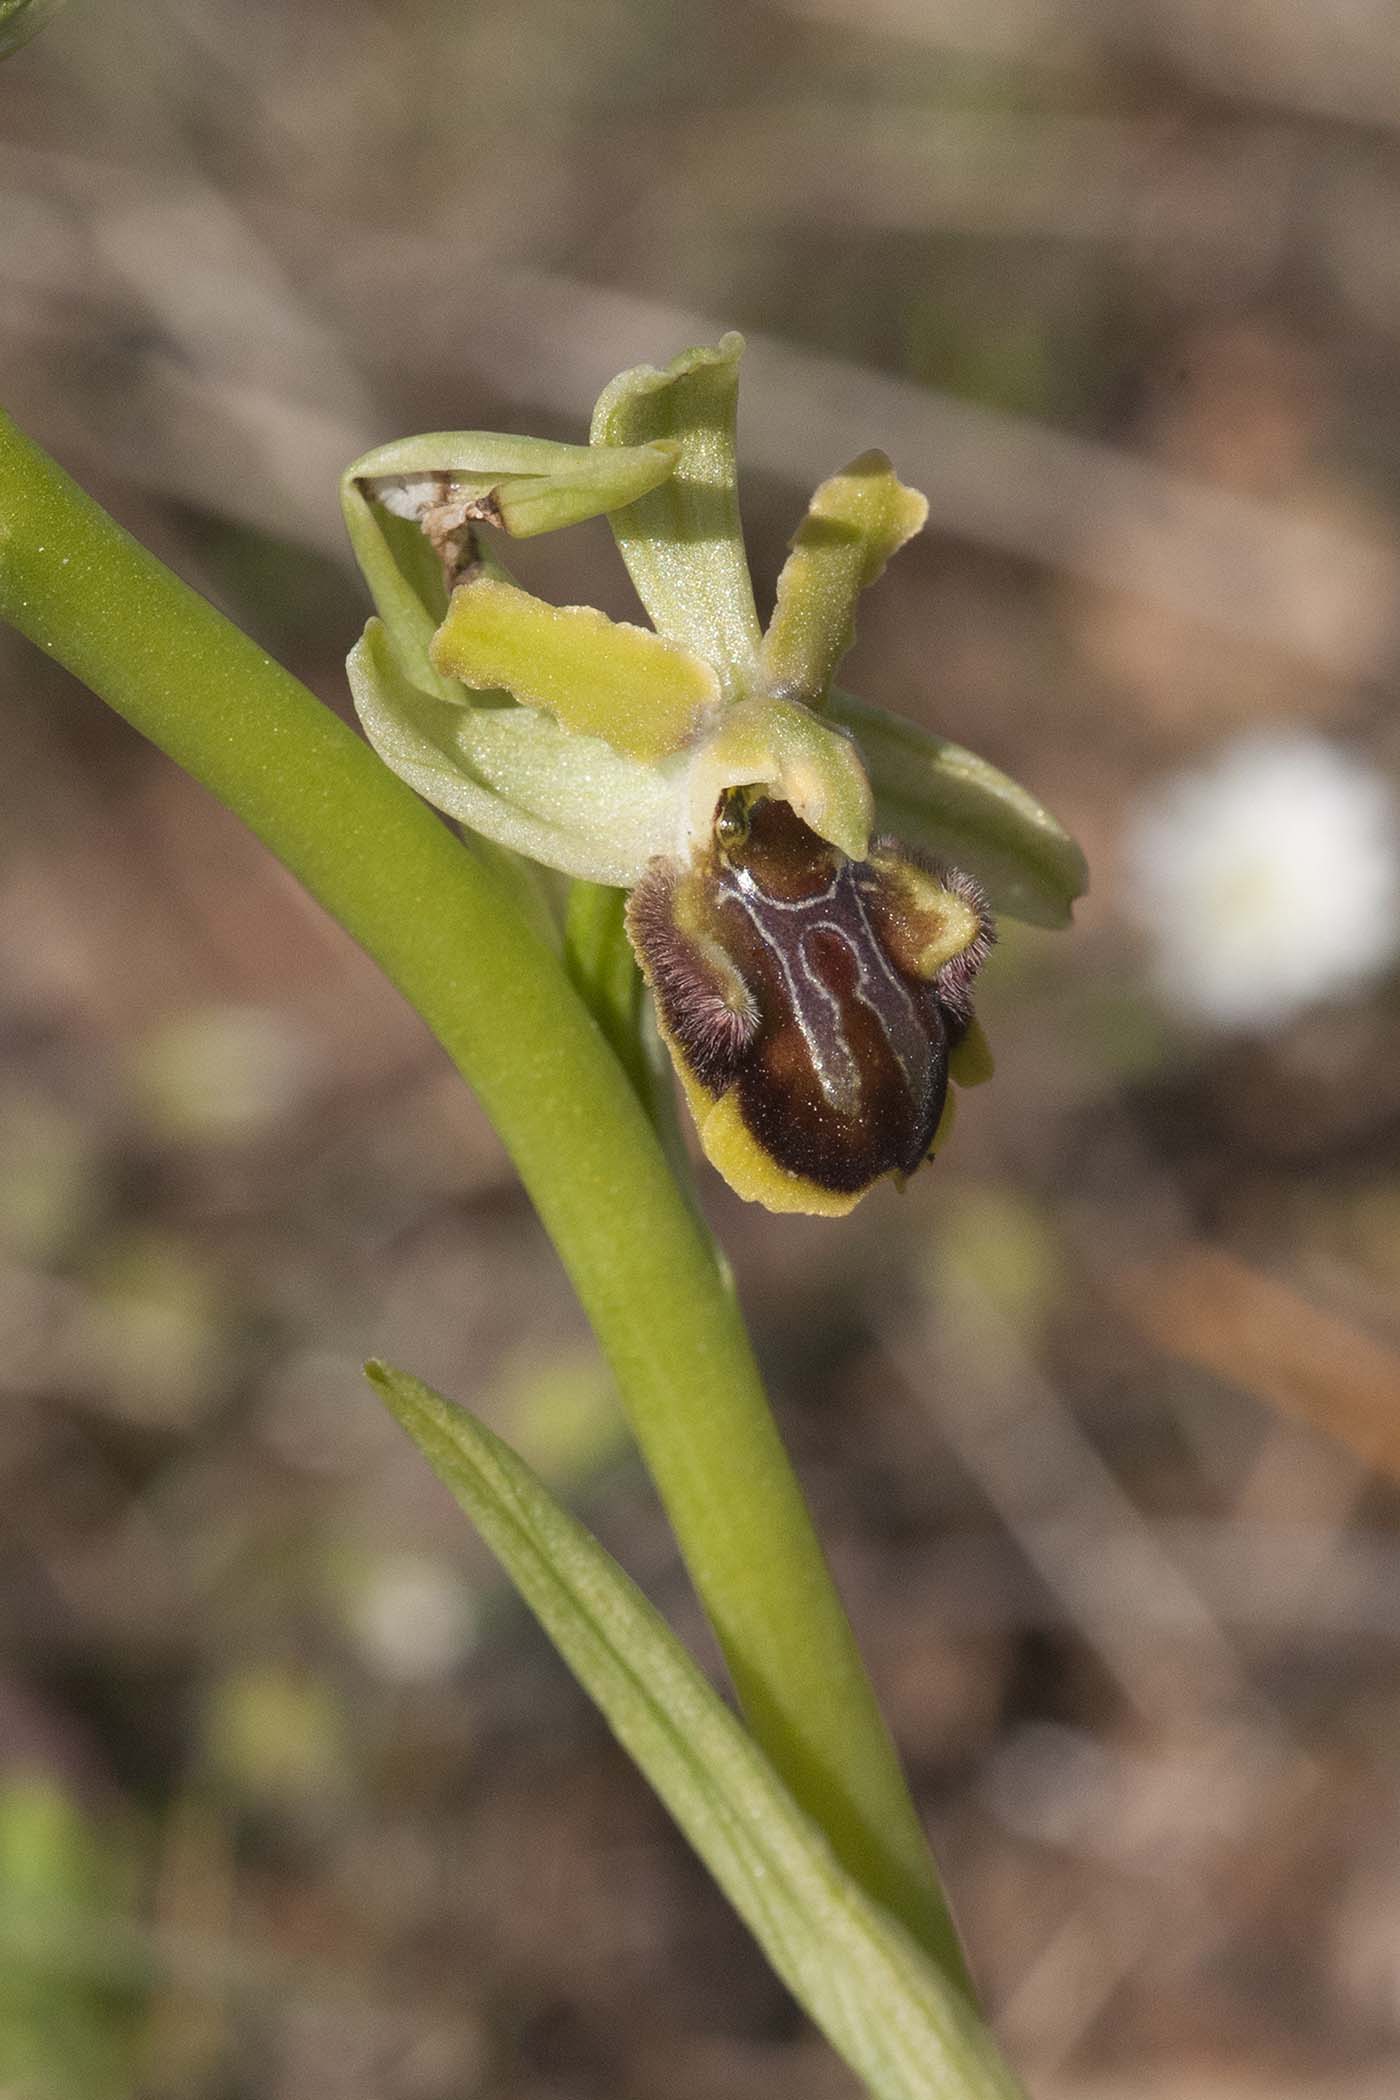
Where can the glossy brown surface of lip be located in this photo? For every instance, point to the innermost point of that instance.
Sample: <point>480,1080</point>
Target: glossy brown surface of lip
<point>782,970</point>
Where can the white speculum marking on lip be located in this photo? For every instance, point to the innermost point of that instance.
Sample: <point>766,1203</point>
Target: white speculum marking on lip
<point>834,1064</point>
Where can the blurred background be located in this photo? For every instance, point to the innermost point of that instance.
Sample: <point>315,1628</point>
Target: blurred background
<point>1101,1419</point>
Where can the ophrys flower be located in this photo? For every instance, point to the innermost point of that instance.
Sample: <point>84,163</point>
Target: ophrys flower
<point>812,879</point>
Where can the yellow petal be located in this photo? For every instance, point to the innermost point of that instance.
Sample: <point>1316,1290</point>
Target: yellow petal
<point>644,696</point>
<point>854,523</point>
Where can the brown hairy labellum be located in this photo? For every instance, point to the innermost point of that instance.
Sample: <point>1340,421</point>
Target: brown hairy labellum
<point>809,1000</point>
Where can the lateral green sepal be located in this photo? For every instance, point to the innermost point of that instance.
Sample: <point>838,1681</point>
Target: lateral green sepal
<point>398,496</point>
<point>934,794</point>
<point>513,775</point>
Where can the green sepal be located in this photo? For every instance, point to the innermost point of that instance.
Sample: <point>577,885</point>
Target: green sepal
<point>683,543</point>
<point>905,2030</point>
<point>406,583</point>
<point>934,794</point>
<point>529,485</point>
<point>855,521</point>
<point>596,676</point>
<point>970,1061</point>
<point>524,485</point>
<point>514,775</point>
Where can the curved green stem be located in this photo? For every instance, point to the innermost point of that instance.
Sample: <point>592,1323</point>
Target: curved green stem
<point>444,927</point>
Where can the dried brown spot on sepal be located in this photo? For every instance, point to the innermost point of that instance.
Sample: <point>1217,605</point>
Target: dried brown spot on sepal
<point>810,1001</point>
<point>445,513</point>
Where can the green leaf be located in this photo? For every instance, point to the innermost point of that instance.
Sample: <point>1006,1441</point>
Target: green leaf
<point>531,888</point>
<point>596,676</point>
<point>513,775</point>
<point>854,523</point>
<point>905,2031</point>
<point>683,544</point>
<point>934,794</point>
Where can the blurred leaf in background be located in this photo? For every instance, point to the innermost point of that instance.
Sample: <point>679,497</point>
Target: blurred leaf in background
<point>22,19</point>
<point>69,1998</point>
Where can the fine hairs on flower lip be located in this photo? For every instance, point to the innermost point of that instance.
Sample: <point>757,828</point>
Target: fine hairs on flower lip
<point>812,879</point>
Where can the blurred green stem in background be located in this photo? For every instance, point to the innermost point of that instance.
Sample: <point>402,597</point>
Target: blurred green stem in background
<point>445,928</point>
<point>22,19</point>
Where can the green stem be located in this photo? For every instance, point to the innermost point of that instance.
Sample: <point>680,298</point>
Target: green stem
<point>603,971</point>
<point>443,927</point>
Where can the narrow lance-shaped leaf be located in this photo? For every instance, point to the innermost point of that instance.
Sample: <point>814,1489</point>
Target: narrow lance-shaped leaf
<point>934,794</point>
<point>904,2029</point>
<point>683,543</point>
<point>598,677</point>
<point>854,523</point>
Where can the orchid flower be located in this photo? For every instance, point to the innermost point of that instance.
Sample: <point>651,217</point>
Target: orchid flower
<point>812,880</point>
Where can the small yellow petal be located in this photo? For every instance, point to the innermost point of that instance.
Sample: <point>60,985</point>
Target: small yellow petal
<point>644,696</point>
<point>854,523</point>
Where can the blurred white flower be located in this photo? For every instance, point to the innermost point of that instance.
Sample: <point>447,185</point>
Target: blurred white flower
<point>412,1617</point>
<point>1268,881</point>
